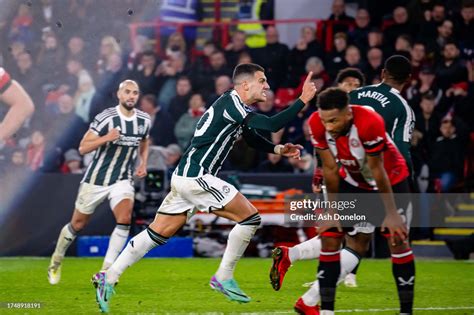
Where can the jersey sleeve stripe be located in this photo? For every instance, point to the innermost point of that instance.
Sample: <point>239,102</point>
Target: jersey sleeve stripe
<point>227,116</point>
<point>238,106</point>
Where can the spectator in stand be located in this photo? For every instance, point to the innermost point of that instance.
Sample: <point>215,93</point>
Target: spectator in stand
<point>17,162</point>
<point>464,28</point>
<point>273,57</point>
<point>176,45</point>
<point>72,163</point>
<point>267,108</point>
<point>244,57</point>
<point>426,84</point>
<point>275,164</point>
<point>320,77</point>
<point>223,83</point>
<point>376,39</point>
<point>403,45</point>
<point>146,74</point>
<point>47,13</point>
<point>36,151</point>
<point>374,65</point>
<point>30,78</point>
<point>335,59</point>
<point>108,47</point>
<point>106,92</point>
<point>358,36</point>
<point>179,103</point>
<point>417,59</point>
<point>184,128</point>
<point>168,73</point>
<point>342,22</point>
<point>306,47</point>
<point>76,50</point>
<point>50,58</point>
<point>443,36</point>
<point>83,91</point>
<point>447,157</point>
<point>139,45</point>
<point>15,49</point>
<point>401,25</point>
<point>73,127</point>
<point>431,20</point>
<point>451,70</point>
<point>203,81</point>
<point>162,125</point>
<point>201,63</point>
<point>428,121</point>
<point>352,58</point>
<point>21,28</point>
<point>235,48</point>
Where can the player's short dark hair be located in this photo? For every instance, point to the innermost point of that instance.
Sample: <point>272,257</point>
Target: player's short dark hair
<point>398,67</point>
<point>350,73</point>
<point>333,98</point>
<point>246,69</point>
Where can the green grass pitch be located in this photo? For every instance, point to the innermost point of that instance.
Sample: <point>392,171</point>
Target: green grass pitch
<point>158,286</point>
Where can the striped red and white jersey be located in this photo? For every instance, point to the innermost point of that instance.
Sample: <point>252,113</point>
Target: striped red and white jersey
<point>366,136</point>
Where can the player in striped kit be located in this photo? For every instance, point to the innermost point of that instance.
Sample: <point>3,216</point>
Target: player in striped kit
<point>118,136</point>
<point>195,186</point>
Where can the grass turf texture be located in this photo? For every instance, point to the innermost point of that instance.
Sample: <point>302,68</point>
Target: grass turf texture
<point>181,286</point>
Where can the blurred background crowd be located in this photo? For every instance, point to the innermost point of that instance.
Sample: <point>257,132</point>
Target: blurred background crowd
<point>71,55</point>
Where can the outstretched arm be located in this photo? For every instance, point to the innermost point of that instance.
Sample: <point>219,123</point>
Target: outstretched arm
<point>279,120</point>
<point>21,107</point>
<point>257,141</point>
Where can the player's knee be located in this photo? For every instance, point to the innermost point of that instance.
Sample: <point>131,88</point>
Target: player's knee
<point>125,218</point>
<point>330,243</point>
<point>78,224</point>
<point>252,220</point>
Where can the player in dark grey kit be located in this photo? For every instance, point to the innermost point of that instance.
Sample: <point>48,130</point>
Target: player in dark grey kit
<point>195,187</point>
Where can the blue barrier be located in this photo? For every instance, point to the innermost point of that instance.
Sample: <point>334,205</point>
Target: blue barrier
<point>96,246</point>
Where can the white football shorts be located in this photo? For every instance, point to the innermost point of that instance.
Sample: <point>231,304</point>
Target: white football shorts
<point>90,196</point>
<point>204,194</point>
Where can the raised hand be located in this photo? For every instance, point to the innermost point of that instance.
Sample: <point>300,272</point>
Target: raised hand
<point>309,89</point>
<point>113,134</point>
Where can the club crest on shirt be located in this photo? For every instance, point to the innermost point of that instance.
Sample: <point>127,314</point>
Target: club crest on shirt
<point>226,189</point>
<point>355,143</point>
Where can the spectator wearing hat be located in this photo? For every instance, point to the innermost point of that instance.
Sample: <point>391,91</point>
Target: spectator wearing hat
<point>72,162</point>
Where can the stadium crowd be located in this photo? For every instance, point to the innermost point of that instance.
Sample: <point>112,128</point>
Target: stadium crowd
<point>71,55</point>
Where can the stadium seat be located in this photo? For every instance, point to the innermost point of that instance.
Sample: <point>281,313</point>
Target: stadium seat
<point>283,97</point>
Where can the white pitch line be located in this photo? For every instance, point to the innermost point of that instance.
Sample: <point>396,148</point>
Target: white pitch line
<point>375,310</point>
